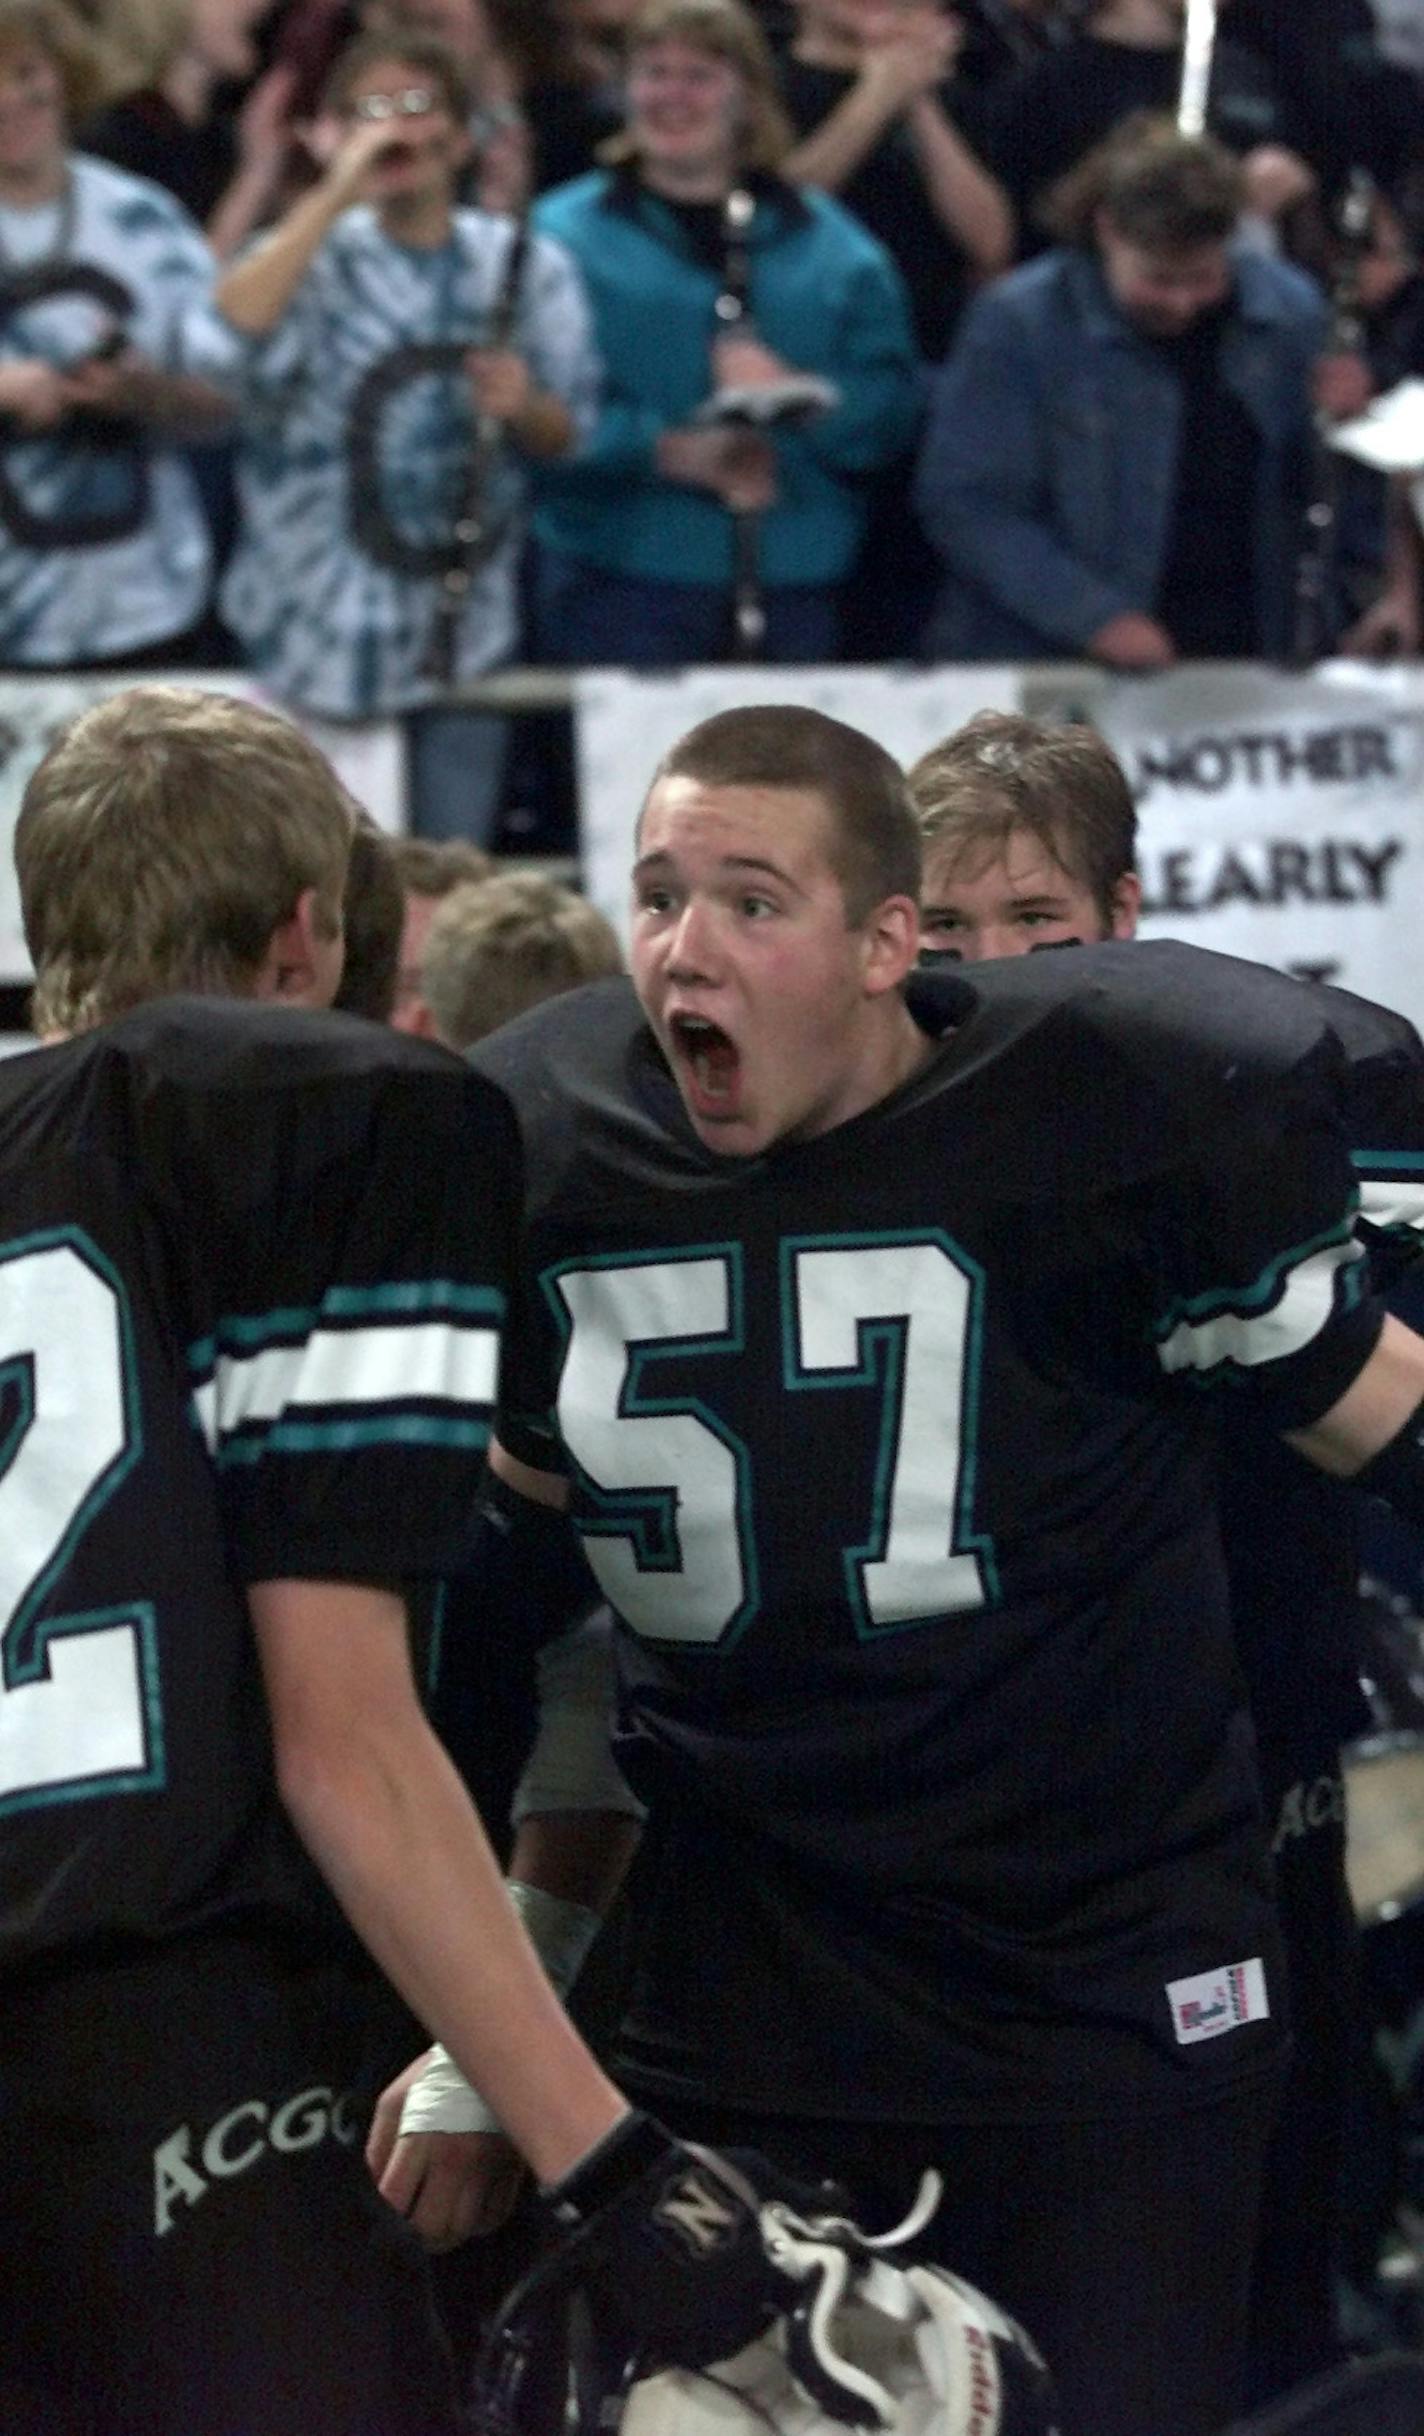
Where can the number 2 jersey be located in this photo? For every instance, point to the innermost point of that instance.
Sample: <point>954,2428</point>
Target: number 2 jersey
<point>253,1265</point>
<point>892,1453</point>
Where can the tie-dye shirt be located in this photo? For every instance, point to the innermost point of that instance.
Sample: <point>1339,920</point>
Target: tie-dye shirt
<point>353,455</point>
<point>103,543</point>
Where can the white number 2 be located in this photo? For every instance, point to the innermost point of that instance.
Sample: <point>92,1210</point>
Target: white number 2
<point>77,1693</point>
<point>899,1318</point>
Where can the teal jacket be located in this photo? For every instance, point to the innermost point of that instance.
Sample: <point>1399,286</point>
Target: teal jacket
<point>823,294</point>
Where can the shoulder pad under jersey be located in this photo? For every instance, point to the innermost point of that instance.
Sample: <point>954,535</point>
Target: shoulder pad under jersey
<point>1384,1082</point>
<point>1133,1058</point>
<point>243,1100</point>
<point>591,1093</point>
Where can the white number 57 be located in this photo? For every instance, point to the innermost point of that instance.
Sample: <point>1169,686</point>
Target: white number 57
<point>672,1533</point>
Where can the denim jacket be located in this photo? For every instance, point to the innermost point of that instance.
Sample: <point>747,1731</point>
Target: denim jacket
<point>1048,472</point>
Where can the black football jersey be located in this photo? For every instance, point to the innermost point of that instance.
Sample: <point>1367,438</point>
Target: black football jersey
<point>1292,1535</point>
<point>1385,1115</point>
<point>253,1265</point>
<point>890,1452</point>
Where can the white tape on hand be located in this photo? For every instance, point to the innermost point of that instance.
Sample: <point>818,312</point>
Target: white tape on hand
<point>441,2100</point>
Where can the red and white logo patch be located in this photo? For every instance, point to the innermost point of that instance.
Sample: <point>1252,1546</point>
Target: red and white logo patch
<point>1215,2001</point>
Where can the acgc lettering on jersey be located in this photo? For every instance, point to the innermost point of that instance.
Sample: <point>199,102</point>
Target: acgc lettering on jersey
<point>185,2168</point>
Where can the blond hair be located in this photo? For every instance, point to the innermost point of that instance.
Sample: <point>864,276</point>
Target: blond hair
<point>164,837</point>
<point>432,866</point>
<point>728,31</point>
<point>1065,786</point>
<point>498,946</point>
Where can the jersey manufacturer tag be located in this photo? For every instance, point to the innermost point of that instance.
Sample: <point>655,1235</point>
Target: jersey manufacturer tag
<point>1217,2000</point>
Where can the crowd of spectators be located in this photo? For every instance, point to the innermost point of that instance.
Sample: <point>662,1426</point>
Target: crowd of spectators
<point>375,344</point>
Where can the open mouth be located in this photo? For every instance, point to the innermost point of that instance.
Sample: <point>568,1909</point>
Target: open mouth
<point>709,1061</point>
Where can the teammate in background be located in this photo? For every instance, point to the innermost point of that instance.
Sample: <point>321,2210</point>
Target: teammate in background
<point>1030,841</point>
<point>526,1718</point>
<point>523,1718</point>
<point>504,944</point>
<point>249,1311</point>
<point>1029,837</point>
<point>427,868</point>
<point>873,1382</point>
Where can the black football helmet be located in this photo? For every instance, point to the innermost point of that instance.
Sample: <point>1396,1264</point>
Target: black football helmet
<point>853,2341</point>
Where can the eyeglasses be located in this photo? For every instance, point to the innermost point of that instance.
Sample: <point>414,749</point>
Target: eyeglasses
<point>414,102</point>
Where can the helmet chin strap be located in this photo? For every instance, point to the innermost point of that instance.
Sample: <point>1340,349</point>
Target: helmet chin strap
<point>819,2257</point>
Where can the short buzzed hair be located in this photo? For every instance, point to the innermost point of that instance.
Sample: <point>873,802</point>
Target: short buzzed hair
<point>875,843</point>
<point>167,833</point>
<point>1000,773</point>
<point>496,947</point>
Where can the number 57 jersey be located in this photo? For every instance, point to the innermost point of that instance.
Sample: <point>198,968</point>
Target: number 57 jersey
<point>252,1269</point>
<point>890,1450</point>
